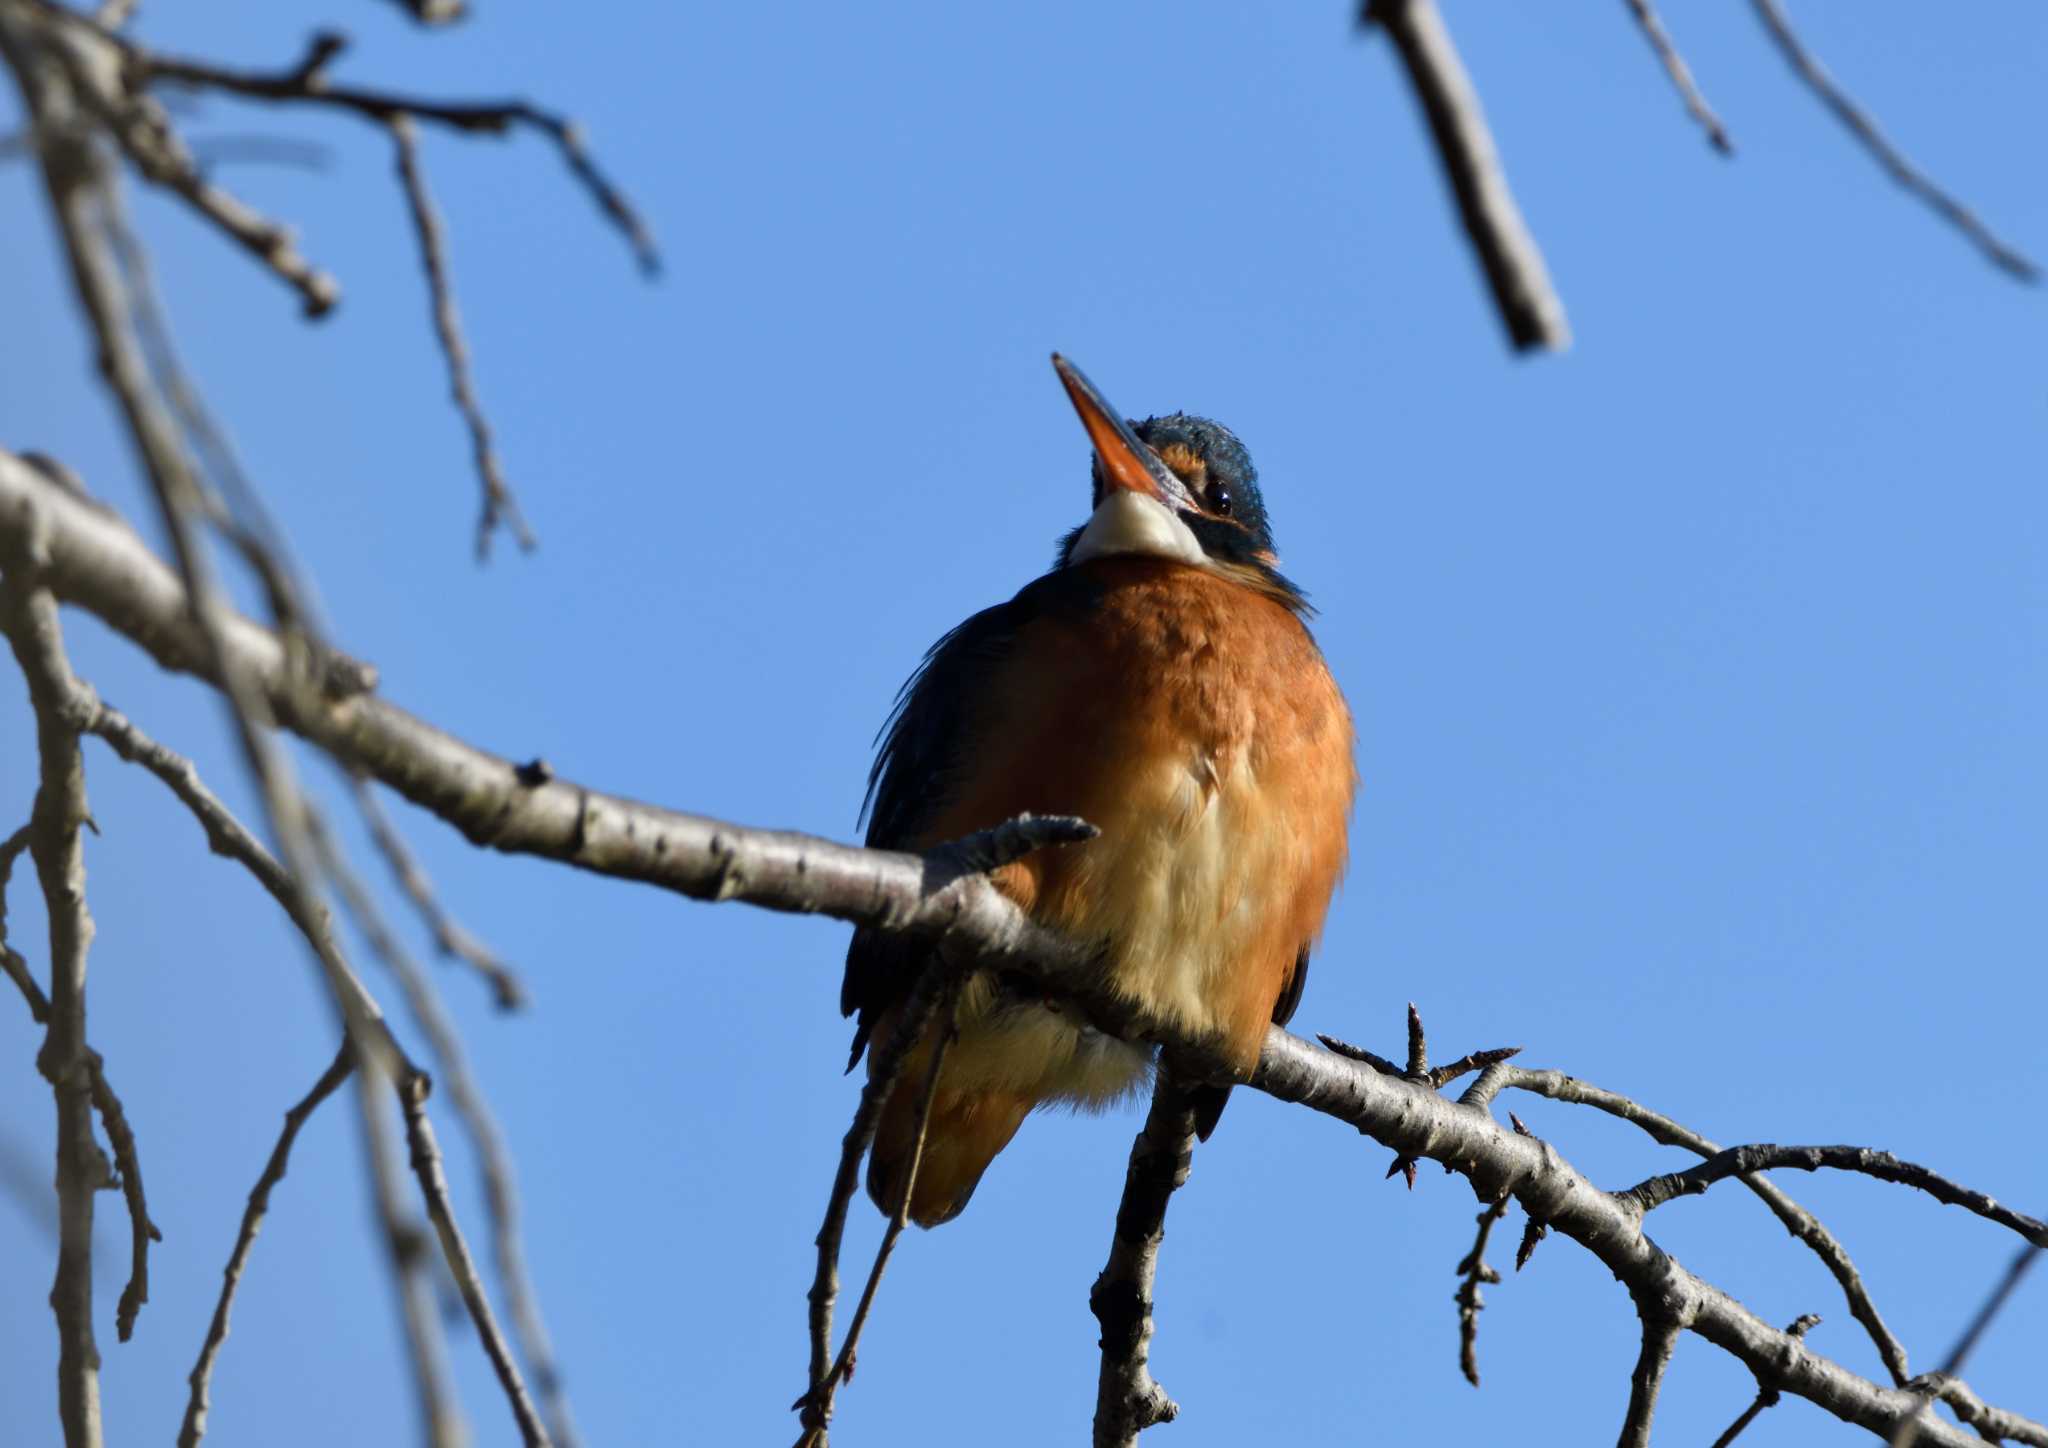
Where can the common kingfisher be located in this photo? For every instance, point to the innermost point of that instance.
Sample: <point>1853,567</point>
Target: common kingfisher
<point>1161,683</point>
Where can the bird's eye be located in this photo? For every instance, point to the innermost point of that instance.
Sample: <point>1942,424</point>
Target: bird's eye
<point>1219,500</point>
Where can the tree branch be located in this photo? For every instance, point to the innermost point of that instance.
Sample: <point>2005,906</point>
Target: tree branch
<point>1746,1160</point>
<point>1801,1223</point>
<point>1865,129</point>
<point>500,508</point>
<point>95,561</point>
<point>29,616</point>
<point>1127,1399</point>
<point>1522,293</point>
<point>1681,75</point>
<point>201,1377</point>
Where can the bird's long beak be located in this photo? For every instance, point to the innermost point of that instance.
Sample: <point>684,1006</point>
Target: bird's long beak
<point>1126,462</point>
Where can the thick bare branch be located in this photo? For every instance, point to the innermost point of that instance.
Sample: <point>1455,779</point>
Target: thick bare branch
<point>201,1378</point>
<point>1522,292</point>
<point>1766,1397</point>
<point>1127,1398</point>
<point>95,561</point>
<point>79,188</point>
<point>1410,1118</point>
<point>1660,1340</point>
<point>1863,126</point>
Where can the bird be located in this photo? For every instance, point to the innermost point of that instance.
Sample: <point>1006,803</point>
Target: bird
<point>1160,682</point>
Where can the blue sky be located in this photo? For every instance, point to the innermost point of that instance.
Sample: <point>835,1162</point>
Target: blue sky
<point>1698,676</point>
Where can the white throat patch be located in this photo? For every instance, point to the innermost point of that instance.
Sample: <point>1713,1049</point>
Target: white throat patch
<point>1127,522</point>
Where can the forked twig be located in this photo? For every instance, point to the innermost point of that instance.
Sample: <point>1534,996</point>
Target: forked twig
<point>201,1377</point>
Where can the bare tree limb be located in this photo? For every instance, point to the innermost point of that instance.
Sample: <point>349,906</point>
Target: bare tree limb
<point>1127,1398</point>
<point>128,1164</point>
<point>1801,1223</point>
<point>1681,75</point>
<point>426,1166</point>
<point>306,84</point>
<point>1739,1161</point>
<point>1865,129</point>
<point>1522,292</point>
<point>449,936</point>
<point>1948,1387</point>
<point>193,1429</point>
<point>1766,1397</point>
<point>500,508</point>
<point>933,988</point>
<point>78,185</point>
<point>29,617</point>
<point>1475,1271</point>
<point>946,1023</point>
<point>1660,1340</point>
<point>11,849</point>
<point>140,127</point>
<point>441,1422</point>
<point>1410,1118</point>
<point>93,560</point>
<point>494,1158</point>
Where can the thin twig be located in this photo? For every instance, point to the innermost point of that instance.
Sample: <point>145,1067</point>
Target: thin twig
<point>500,507</point>
<point>78,184</point>
<point>128,1162</point>
<point>1474,1269</point>
<point>426,1166</point>
<point>441,1420</point>
<point>11,849</point>
<point>1865,129</point>
<point>29,617</point>
<point>1681,75</point>
<point>1801,1223</point>
<point>1766,1397</point>
<point>1740,1161</point>
<point>884,1069</point>
<point>1128,1400</point>
<point>480,1124</point>
<point>309,86</point>
<point>946,1019</point>
<point>201,1377</point>
<point>1946,1385</point>
<point>1522,292</point>
<point>449,936</point>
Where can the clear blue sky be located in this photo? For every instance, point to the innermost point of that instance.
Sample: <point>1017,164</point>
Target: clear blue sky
<point>1699,679</point>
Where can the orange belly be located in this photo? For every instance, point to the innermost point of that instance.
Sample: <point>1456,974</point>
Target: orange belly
<point>1194,721</point>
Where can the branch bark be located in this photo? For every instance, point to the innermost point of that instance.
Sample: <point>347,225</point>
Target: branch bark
<point>1522,293</point>
<point>94,560</point>
<point>1127,1399</point>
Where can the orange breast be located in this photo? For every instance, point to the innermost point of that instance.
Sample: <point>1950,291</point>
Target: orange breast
<point>1195,722</point>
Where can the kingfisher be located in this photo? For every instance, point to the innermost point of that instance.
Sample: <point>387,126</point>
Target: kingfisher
<point>1160,682</point>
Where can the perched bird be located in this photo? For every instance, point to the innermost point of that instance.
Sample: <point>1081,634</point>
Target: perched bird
<point>1161,683</point>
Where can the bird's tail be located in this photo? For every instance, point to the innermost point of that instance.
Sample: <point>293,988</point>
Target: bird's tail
<point>964,1134</point>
